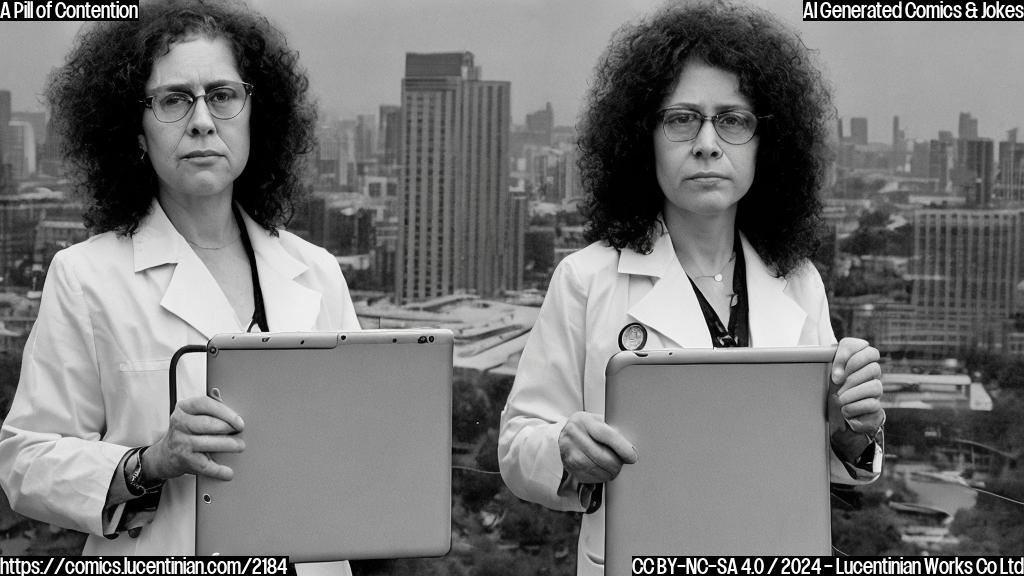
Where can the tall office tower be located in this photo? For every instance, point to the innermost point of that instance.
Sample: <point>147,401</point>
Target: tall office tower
<point>967,127</point>
<point>569,174</point>
<point>940,160</point>
<point>21,149</point>
<point>859,131</point>
<point>975,170</point>
<point>1010,180</point>
<point>5,118</point>
<point>330,169</point>
<point>839,129</point>
<point>389,134</point>
<point>920,159</point>
<point>540,124</point>
<point>365,136</point>
<point>455,181</point>
<point>965,269</point>
<point>50,161</point>
<point>518,216</point>
<point>898,159</point>
<point>38,122</point>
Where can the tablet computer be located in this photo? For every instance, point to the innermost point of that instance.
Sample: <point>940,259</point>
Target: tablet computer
<point>733,453</point>
<point>348,446</point>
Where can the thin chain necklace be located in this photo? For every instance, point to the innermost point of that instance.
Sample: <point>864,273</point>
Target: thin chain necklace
<point>221,247</point>
<point>718,276</point>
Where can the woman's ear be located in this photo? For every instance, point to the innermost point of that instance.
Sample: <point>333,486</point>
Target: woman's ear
<point>142,143</point>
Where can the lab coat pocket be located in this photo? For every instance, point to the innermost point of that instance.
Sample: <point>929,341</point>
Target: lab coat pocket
<point>142,400</point>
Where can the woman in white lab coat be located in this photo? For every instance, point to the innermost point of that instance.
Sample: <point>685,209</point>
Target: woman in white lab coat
<point>185,130</point>
<point>703,150</point>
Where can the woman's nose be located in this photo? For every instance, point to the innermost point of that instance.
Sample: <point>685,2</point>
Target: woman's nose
<point>706,144</point>
<point>201,121</point>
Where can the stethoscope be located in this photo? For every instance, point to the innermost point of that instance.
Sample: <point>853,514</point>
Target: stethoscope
<point>633,336</point>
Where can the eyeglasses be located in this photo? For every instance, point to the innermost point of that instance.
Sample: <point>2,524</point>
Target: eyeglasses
<point>224,102</point>
<point>733,126</point>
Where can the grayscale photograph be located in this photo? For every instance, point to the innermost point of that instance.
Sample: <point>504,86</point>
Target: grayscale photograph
<point>480,288</point>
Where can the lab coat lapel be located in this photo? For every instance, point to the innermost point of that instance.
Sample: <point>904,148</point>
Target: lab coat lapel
<point>775,318</point>
<point>670,307</point>
<point>290,306</point>
<point>191,294</point>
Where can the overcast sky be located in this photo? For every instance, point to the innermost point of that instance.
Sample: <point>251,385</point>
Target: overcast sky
<point>925,72</point>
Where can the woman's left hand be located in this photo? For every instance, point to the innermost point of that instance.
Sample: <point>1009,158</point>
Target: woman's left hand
<point>857,376</point>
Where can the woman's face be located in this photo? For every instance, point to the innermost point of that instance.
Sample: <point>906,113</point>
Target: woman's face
<point>705,176</point>
<point>198,155</point>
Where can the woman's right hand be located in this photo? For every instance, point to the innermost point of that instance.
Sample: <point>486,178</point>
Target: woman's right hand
<point>199,426</point>
<point>592,451</point>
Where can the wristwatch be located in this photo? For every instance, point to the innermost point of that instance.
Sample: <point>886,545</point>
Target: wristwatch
<point>138,484</point>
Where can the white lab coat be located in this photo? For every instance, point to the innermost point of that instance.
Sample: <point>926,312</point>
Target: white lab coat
<point>95,368</point>
<point>593,294</point>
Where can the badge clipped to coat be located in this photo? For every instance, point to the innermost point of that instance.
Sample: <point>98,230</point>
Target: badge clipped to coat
<point>632,337</point>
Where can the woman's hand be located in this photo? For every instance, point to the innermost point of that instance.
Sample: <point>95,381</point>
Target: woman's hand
<point>592,451</point>
<point>198,427</point>
<point>856,373</point>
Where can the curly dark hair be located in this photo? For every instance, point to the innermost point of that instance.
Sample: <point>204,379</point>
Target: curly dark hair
<point>94,99</point>
<point>780,212</point>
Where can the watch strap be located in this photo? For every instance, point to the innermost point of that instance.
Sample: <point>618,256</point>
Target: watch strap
<point>134,475</point>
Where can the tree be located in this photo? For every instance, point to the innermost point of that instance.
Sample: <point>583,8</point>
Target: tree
<point>471,411</point>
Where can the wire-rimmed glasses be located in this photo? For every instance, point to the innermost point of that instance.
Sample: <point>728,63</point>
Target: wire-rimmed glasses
<point>224,102</point>
<point>732,126</point>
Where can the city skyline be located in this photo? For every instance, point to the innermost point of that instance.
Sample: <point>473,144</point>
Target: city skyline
<point>925,72</point>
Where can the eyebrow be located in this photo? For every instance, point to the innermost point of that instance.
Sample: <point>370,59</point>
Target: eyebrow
<point>182,87</point>
<point>716,109</point>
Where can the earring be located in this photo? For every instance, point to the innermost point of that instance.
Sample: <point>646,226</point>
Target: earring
<point>143,155</point>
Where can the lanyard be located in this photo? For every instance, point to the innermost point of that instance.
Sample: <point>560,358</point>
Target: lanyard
<point>259,314</point>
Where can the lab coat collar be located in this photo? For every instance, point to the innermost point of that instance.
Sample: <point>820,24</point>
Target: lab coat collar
<point>194,296</point>
<point>671,306</point>
<point>290,306</point>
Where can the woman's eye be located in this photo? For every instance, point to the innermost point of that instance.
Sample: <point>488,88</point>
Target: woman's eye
<point>730,119</point>
<point>175,99</point>
<point>221,95</point>
<point>733,120</point>
<point>681,118</point>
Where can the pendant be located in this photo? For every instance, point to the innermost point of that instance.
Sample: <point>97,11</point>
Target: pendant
<point>718,277</point>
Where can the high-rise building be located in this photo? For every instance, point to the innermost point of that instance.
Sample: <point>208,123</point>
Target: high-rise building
<point>540,124</point>
<point>569,174</point>
<point>38,122</point>
<point>513,260</point>
<point>20,216</point>
<point>50,161</point>
<point>1010,178</point>
<point>331,171</point>
<point>940,160</point>
<point>365,137</point>
<point>389,134</point>
<point>455,181</point>
<point>975,170</point>
<point>859,131</point>
<point>21,149</point>
<point>899,147</point>
<point>920,159</point>
<point>966,267</point>
<point>967,128</point>
<point>5,118</point>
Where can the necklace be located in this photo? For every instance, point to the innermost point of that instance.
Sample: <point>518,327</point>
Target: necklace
<point>221,247</point>
<point>717,277</point>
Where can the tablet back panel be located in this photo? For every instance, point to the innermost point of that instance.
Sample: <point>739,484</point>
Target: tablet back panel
<point>348,446</point>
<point>733,453</point>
